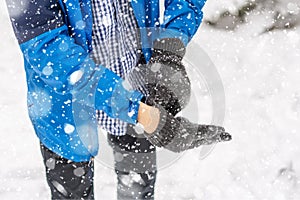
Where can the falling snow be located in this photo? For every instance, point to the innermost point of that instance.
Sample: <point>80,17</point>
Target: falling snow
<point>75,76</point>
<point>138,128</point>
<point>79,171</point>
<point>69,128</point>
<point>260,73</point>
<point>50,163</point>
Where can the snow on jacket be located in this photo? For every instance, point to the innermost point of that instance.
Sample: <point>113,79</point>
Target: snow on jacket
<point>55,38</point>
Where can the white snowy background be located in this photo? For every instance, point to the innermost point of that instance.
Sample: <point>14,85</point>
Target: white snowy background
<point>261,77</point>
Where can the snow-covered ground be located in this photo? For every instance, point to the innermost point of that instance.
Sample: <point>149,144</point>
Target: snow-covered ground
<point>261,77</point>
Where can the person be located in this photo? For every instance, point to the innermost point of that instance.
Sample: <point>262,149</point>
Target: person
<point>79,56</point>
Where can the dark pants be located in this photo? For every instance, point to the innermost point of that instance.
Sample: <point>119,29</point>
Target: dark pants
<point>135,167</point>
<point>68,179</point>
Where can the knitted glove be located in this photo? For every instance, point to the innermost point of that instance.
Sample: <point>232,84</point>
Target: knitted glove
<point>163,80</point>
<point>172,88</point>
<point>179,134</point>
<point>191,135</point>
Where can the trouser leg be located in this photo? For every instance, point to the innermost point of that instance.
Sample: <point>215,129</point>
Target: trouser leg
<point>135,185</point>
<point>135,166</point>
<point>68,179</point>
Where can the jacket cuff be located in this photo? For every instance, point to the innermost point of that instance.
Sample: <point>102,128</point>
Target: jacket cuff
<point>133,110</point>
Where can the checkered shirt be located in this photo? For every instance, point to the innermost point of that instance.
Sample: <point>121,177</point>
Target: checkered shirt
<point>114,46</point>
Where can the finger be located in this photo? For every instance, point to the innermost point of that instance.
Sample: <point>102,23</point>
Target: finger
<point>225,136</point>
<point>216,128</point>
<point>206,141</point>
<point>209,131</point>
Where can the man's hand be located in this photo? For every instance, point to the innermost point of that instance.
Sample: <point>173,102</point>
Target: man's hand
<point>168,90</point>
<point>172,88</point>
<point>192,135</point>
<point>163,79</point>
<point>149,117</point>
<point>179,134</point>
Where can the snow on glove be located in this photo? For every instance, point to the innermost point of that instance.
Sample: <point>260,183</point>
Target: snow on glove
<point>173,88</point>
<point>179,134</point>
<point>191,135</point>
<point>164,79</point>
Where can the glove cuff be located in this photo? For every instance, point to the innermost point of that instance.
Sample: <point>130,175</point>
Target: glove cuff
<point>172,45</point>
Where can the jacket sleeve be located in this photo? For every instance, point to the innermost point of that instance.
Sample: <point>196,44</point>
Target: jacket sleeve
<point>59,59</point>
<point>182,18</point>
<point>46,45</point>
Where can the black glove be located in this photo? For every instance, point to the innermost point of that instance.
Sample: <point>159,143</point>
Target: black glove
<point>163,80</point>
<point>191,135</point>
<point>172,89</point>
<point>179,134</point>
<point>166,86</point>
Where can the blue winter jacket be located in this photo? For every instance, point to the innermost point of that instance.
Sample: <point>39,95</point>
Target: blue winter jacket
<point>55,38</point>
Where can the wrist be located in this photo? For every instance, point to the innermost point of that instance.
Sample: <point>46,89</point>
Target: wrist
<point>148,116</point>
